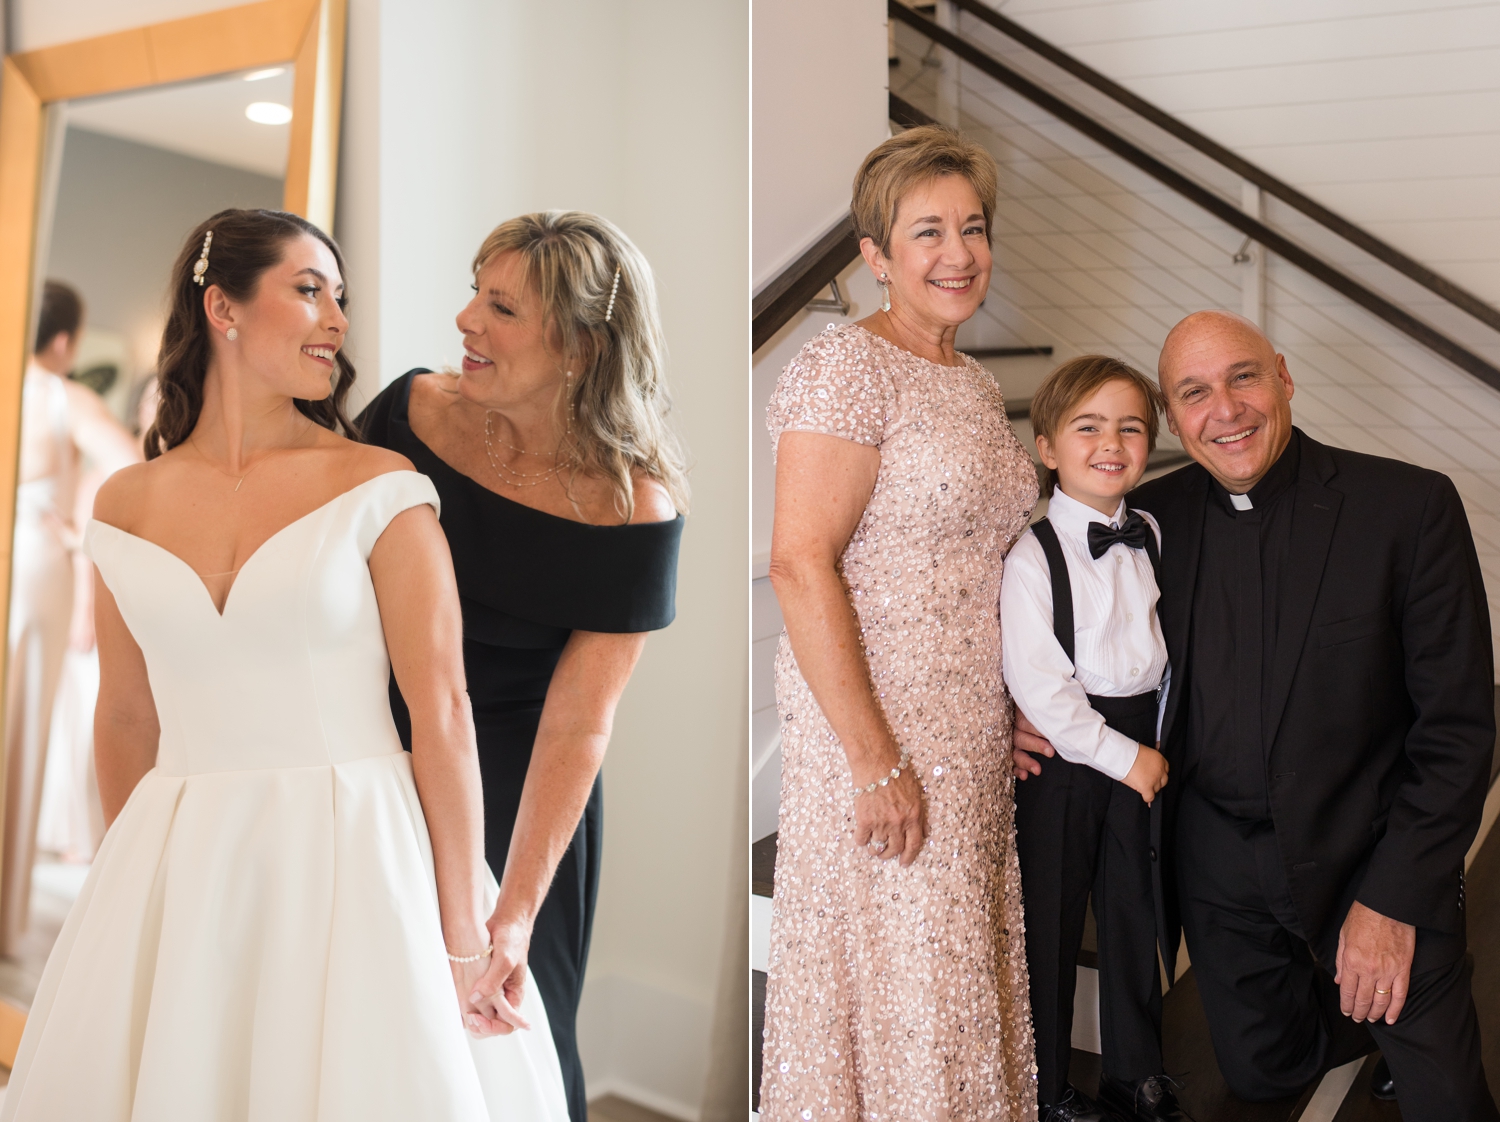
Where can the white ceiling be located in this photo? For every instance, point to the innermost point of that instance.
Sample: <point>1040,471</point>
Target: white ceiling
<point>201,119</point>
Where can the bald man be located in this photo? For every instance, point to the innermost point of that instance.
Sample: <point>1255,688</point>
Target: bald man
<point>1330,727</point>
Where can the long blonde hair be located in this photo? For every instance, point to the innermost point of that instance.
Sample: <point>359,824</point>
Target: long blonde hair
<point>619,400</point>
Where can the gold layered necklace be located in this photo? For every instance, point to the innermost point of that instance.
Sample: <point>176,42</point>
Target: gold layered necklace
<point>510,475</point>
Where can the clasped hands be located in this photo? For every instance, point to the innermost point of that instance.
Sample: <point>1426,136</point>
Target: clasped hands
<point>1373,967</point>
<point>490,990</point>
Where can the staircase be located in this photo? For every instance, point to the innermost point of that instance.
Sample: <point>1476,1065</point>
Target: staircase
<point>1114,221</point>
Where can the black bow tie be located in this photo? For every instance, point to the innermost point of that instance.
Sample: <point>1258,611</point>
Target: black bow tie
<point>1132,533</point>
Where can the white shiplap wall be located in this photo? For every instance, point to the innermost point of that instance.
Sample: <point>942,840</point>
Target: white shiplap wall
<point>1387,111</point>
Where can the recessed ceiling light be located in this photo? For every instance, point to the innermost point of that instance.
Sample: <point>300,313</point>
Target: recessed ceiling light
<point>272,72</point>
<point>268,113</point>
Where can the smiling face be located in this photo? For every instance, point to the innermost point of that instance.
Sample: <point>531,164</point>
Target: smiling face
<point>939,261</point>
<point>1099,452</point>
<point>1229,397</point>
<point>507,355</point>
<point>290,330</point>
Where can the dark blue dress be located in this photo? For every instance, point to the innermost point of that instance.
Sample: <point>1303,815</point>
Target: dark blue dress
<point>526,581</point>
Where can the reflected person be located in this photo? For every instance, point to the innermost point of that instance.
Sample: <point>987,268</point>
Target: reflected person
<point>562,488</point>
<point>63,424</point>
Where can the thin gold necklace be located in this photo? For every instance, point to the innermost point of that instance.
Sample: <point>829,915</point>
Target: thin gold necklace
<point>240,479</point>
<point>511,476</point>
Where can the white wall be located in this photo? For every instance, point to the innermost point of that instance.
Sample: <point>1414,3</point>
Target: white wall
<point>820,105</point>
<point>459,114</point>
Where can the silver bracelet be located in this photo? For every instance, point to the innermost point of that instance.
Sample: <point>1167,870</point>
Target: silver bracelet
<point>489,950</point>
<point>869,788</point>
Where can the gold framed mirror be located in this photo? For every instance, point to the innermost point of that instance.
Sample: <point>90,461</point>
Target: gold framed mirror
<point>306,36</point>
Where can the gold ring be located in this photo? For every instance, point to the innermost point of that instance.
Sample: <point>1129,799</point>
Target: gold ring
<point>1382,993</point>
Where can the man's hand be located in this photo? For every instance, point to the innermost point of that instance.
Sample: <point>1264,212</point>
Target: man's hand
<point>1026,743</point>
<point>1373,965</point>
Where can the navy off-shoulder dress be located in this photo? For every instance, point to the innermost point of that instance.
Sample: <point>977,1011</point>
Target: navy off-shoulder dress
<point>526,581</point>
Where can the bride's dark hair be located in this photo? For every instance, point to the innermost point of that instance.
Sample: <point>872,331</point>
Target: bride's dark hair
<point>246,243</point>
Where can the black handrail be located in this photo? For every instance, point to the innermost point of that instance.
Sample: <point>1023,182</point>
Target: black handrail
<point>1414,270</point>
<point>1340,282</point>
<point>791,289</point>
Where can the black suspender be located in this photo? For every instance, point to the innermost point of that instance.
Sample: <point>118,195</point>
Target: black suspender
<point>1062,587</point>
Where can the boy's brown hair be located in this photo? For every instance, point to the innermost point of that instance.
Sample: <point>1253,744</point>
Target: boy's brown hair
<point>1075,381</point>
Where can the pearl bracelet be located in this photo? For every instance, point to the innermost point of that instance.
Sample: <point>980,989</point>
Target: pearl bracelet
<point>489,950</point>
<point>869,788</point>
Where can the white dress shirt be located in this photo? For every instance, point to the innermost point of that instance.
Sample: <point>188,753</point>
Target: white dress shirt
<point>1118,644</point>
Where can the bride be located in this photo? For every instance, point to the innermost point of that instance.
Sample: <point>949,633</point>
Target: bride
<point>262,933</point>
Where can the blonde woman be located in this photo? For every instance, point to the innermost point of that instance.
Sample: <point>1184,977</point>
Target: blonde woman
<point>562,489</point>
<point>897,988</point>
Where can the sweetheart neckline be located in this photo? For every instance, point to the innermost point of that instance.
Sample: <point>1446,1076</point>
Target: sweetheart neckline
<point>256,552</point>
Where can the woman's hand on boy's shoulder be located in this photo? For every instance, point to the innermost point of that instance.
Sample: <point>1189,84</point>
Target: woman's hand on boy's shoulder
<point>1027,743</point>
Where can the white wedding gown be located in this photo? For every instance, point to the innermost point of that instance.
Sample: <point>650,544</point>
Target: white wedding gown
<point>258,938</point>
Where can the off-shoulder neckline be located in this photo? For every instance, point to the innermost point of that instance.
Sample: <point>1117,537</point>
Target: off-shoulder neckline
<point>401,415</point>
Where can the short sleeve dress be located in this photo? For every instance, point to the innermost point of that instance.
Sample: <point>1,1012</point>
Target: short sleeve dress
<point>900,995</point>
<point>526,581</point>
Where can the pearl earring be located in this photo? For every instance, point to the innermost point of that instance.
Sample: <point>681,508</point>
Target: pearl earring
<point>885,292</point>
<point>231,335</point>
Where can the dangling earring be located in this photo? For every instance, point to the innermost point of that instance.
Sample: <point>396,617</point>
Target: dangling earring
<point>231,335</point>
<point>885,292</point>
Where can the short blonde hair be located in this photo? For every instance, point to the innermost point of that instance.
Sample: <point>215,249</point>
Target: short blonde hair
<point>1074,382</point>
<point>912,158</point>
<point>570,259</point>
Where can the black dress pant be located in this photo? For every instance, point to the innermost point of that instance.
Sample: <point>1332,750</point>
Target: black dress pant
<point>1269,996</point>
<point>559,951</point>
<point>1078,832</point>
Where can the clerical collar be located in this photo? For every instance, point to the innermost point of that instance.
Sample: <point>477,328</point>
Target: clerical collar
<point>1282,475</point>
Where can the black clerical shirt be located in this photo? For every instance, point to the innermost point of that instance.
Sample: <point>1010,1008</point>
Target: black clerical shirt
<point>1242,565</point>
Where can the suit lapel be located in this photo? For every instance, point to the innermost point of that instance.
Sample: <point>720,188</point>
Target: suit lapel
<point>1182,539</point>
<point>1313,520</point>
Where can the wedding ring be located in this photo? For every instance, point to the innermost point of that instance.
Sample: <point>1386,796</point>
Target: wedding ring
<point>878,847</point>
<point>1382,993</point>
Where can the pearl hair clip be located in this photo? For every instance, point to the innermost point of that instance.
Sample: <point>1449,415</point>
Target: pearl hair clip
<point>614,288</point>
<point>202,266</point>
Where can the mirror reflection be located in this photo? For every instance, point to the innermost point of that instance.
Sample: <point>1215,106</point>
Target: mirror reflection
<point>129,176</point>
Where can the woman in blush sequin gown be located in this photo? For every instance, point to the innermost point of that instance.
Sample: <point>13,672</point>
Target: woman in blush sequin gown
<point>897,981</point>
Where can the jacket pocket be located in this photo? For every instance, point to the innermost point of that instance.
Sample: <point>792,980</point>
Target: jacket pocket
<point>1359,627</point>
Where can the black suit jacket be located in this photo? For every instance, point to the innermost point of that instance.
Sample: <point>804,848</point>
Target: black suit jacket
<point>1381,701</point>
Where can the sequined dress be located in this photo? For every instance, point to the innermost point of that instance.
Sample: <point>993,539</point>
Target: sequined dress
<point>899,995</point>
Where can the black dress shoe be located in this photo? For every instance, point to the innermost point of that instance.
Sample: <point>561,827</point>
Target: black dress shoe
<point>1074,1106</point>
<point>1149,1100</point>
<point>1382,1086</point>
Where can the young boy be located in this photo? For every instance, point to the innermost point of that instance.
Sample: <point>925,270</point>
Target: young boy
<point>1084,658</point>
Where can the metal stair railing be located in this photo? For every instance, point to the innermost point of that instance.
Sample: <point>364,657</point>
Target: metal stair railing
<point>795,286</point>
<point>1215,204</point>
